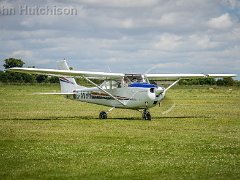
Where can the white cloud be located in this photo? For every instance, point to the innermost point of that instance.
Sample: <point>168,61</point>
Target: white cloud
<point>168,42</point>
<point>222,22</point>
<point>127,23</point>
<point>186,43</point>
<point>174,36</point>
<point>121,3</point>
<point>22,54</point>
<point>168,19</point>
<point>231,3</point>
<point>160,67</point>
<point>202,41</point>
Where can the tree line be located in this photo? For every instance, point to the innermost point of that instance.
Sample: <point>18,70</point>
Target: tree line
<point>13,77</point>
<point>210,81</point>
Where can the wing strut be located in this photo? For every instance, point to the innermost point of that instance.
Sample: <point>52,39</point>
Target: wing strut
<point>172,85</point>
<point>104,90</point>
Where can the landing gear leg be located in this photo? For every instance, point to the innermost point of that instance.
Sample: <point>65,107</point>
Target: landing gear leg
<point>146,115</point>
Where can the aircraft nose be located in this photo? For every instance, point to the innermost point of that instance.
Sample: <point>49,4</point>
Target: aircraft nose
<point>155,92</point>
<point>158,91</point>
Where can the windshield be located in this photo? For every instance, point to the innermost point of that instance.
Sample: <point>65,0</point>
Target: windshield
<point>131,78</point>
<point>125,82</point>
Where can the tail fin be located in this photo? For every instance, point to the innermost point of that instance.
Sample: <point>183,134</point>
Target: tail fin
<point>68,84</point>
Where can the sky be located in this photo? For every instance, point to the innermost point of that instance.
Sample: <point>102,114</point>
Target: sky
<point>129,36</point>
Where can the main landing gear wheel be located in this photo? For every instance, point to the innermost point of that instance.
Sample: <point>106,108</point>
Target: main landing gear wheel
<point>103,115</point>
<point>146,115</point>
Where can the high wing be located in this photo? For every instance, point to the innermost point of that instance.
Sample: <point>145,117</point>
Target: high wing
<point>103,75</point>
<point>185,76</point>
<point>55,72</point>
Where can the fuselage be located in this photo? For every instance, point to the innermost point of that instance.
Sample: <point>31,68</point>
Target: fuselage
<point>133,91</point>
<point>131,97</point>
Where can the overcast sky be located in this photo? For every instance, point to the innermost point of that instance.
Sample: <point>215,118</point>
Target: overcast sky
<point>157,36</point>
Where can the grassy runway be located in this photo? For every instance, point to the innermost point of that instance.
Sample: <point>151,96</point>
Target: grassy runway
<point>195,134</point>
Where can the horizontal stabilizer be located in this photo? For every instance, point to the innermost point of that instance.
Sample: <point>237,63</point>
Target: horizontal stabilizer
<point>53,93</point>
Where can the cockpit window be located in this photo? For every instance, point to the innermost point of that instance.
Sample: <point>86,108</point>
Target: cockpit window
<point>131,78</point>
<point>125,82</point>
<point>134,77</point>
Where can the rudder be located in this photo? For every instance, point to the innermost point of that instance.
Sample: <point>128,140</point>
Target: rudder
<point>68,84</point>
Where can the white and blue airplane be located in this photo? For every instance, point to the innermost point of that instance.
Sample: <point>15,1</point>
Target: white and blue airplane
<point>118,90</point>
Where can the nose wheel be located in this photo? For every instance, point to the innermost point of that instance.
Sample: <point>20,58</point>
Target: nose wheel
<point>146,115</point>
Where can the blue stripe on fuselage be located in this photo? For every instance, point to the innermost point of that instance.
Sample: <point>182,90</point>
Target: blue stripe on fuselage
<point>142,85</point>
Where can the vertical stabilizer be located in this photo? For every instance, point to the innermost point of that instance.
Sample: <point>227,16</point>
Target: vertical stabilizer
<point>68,84</point>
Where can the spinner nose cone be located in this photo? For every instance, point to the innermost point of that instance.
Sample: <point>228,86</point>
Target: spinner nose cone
<point>155,92</point>
<point>159,90</point>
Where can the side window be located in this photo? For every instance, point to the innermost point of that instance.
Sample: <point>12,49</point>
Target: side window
<point>110,84</point>
<point>116,84</point>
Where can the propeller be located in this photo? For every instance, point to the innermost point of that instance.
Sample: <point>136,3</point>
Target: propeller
<point>167,105</point>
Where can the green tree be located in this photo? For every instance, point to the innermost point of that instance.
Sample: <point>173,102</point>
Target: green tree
<point>41,78</point>
<point>210,81</point>
<point>13,77</point>
<point>226,82</point>
<point>12,62</point>
<point>53,79</point>
<point>28,78</point>
<point>237,83</point>
<point>220,82</point>
<point>3,77</point>
<point>229,81</point>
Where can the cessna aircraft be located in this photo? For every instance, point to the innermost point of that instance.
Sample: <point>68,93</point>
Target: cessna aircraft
<point>118,90</point>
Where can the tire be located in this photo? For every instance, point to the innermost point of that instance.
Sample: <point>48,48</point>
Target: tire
<point>103,115</point>
<point>146,115</point>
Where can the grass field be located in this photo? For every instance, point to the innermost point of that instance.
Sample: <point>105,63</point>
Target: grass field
<point>195,134</point>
